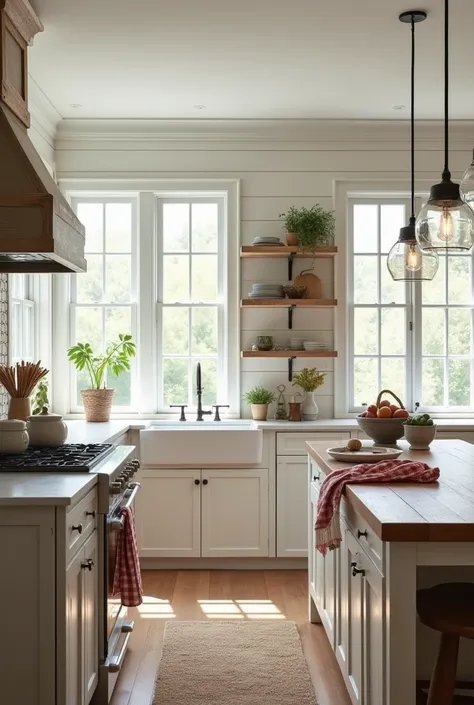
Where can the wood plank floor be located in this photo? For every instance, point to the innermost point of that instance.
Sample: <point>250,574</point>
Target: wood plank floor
<point>222,594</point>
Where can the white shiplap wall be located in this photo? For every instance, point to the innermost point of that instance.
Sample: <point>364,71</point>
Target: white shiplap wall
<point>279,163</point>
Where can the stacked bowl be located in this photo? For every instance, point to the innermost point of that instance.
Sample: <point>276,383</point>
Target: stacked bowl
<point>267,241</point>
<point>310,345</point>
<point>266,291</point>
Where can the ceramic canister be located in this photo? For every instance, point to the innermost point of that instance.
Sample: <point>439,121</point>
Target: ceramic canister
<point>13,436</point>
<point>46,429</point>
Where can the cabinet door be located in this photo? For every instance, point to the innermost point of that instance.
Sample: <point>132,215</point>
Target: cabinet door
<point>292,500</point>
<point>374,642</point>
<point>323,577</point>
<point>74,631</point>
<point>168,513</point>
<point>90,617</point>
<point>234,513</point>
<point>349,649</point>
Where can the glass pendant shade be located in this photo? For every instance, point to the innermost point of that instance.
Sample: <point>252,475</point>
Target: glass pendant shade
<point>445,225</point>
<point>467,185</point>
<point>407,262</point>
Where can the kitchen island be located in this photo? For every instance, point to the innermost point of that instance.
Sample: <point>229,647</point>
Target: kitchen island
<point>396,538</point>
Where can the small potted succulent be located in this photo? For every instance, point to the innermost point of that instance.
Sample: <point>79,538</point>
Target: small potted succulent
<point>420,431</point>
<point>259,399</point>
<point>309,380</point>
<point>309,228</point>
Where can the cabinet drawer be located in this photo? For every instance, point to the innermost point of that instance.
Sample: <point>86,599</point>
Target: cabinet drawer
<point>365,535</point>
<point>81,521</point>
<point>294,443</point>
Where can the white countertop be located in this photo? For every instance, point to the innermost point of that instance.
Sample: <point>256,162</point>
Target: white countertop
<point>84,432</point>
<point>43,488</point>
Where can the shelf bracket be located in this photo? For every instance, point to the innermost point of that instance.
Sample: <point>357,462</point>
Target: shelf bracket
<point>290,368</point>
<point>290,317</point>
<point>290,266</point>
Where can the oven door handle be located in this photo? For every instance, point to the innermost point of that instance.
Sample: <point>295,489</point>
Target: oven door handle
<point>116,523</point>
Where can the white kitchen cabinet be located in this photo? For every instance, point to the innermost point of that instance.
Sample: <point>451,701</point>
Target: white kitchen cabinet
<point>351,631</point>
<point>373,637</point>
<point>234,513</point>
<point>90,617</point>
<point>168,514</point>
<point>74,599</point>
<point>291,501</point>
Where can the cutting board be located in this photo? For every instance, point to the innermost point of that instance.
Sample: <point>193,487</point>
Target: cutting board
<point>311,282</point>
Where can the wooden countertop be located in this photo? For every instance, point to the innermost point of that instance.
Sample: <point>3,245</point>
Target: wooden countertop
<point>443,511</point>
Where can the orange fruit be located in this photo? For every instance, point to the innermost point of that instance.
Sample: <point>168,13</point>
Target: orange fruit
<point>370,415</point>
<point>363,415</point>
<point>384,412</point>
<point>394,408</point>
<point>372,409</point>
<point>400,414</point>
<point>385,402</point>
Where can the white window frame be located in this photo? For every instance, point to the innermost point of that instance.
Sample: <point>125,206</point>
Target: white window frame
<point>23,303</point>
<point>148,190</point>
<point>376,192</point>
<point>104,199</point>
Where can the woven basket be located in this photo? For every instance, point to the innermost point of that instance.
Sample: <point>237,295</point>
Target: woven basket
<point>97,404</point>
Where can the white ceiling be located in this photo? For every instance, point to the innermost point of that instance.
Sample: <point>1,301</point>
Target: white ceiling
<point>249,58</point>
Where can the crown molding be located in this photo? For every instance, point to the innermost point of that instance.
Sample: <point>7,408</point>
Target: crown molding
<point>140,130</point>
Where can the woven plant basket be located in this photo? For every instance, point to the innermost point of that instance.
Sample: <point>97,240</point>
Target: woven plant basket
<point>97,404</point>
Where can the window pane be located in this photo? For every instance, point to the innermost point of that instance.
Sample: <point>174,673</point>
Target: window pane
<point>175,278</point>
<point>392,218</point>
<point>459,372</point>
<point>365,280</point>
<point>209,382</point>
<point>91,216</point>
<point>16,335</point>
<point>459,280</point>
<point>83,381</point>
<point>176,227</point>
<point>117,320</point>
<point>118,272</point>
<point>392,292</point>
<point>17,285</point>
<point>89,327</point>
<point>366,386</point>
<point>175,381</point>
<point>204,276</point>
<point>433,382</point>
<point>393,375</point>
<point>28,332</point>
<point>393,331</point>
<point>365,228</point>
<point>204,331</point>
<point>434,292</point>
<point>365,331</point>
<point>118,227</point>
<point>204,224</point>
<point>433,331</point>
<point>176,331</point>
<point>459,331</point>
<point>90,286</point>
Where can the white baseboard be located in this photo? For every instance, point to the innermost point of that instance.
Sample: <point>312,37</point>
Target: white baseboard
<point>223,563</point>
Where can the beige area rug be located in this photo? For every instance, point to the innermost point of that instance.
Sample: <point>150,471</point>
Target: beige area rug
<point>233,663</point>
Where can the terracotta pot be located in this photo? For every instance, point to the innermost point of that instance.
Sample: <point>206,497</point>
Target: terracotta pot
<point>97,404</point>
<point>20,408</point>
<point>259,412</point>
<point>291,239</point>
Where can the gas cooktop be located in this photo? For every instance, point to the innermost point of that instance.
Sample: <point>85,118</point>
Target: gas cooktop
<point>71,457</point>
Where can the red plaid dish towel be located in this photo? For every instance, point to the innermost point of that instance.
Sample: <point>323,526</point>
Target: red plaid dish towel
<point>127,575</point>
<point>328,530</point>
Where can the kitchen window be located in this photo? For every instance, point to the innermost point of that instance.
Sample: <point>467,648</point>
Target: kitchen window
<point>22,338</point>
<point>416,339</point>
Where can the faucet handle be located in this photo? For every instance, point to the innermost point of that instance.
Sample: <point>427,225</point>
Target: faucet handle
<point>217,407</point>
<point>182,407</point>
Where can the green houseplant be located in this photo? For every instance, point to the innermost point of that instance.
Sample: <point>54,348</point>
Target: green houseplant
<point>313,227</point>
<point>40,398</point>
<point>259,399</point>
<point>309,380</point>
<point>117,357</point>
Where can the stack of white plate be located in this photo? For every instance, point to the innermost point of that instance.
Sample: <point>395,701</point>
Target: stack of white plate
<point>267,291</point>
<point>310,345</point>
<point>267,241</point>
<point>296,343</point>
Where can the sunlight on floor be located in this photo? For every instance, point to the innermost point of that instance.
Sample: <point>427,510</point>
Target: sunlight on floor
<point>154,608</point>
<point>240,609</point>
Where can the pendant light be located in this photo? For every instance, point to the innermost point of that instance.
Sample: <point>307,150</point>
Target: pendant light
<point>406,261</point>
<point>445,222</point>
<point>467,185</point>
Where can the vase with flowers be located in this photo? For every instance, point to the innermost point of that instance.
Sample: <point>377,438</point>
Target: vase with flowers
<point>309,380</point>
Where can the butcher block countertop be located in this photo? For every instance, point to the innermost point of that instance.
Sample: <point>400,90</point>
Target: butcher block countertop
<point>442,511</point>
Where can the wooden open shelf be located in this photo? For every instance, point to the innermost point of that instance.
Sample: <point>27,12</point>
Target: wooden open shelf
<point>289,303</point>
<point>288,353</point>
<point>284,251</point>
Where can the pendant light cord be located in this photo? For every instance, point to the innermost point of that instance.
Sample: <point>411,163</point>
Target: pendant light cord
<point>412,116</point>
<point>446,172</point>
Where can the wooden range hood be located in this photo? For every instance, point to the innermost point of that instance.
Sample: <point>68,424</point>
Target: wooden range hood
<point>38,230</point>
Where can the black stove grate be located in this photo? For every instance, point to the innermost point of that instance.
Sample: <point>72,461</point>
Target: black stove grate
<point>71,457</point>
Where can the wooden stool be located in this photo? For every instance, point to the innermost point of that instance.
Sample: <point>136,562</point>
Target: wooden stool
<point>448,608</point>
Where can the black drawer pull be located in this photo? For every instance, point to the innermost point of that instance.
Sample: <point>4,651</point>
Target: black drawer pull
<point>204,482</point>
<point>316,478</point>
<point>361,533</point>
<point>197,482</point>
<point>77,528</point>
<point>91,514</point>
<point>356,570</point>
<point>87,564</point>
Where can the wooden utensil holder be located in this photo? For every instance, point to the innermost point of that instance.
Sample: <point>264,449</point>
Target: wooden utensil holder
<point>20,408</point>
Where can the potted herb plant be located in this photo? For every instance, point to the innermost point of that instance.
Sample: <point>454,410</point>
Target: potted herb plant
<point>420,431</point>
<point>98,399</point>
<point>309,380</point>
<point>259,399</point>
<point>314,227</point>
<point>290,225</point>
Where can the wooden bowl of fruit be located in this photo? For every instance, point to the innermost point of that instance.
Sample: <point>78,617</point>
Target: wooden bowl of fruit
<point>383,421</point>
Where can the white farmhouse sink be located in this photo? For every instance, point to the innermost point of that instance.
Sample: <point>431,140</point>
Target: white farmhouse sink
<point>201,444</point>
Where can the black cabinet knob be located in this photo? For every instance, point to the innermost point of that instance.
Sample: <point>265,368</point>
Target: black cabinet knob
<point>357,571</point>
<point>205,482</point>
<point>91,514</point>
<point>77,528</point>
<point>196,482</point>
<point>87,564</point>
<point>315,478</point>
<point>361,533</point>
